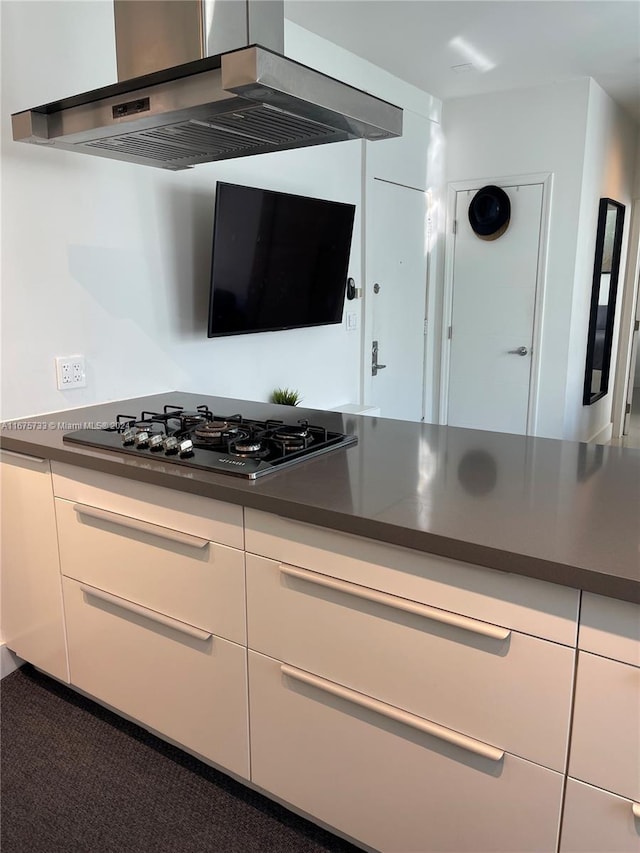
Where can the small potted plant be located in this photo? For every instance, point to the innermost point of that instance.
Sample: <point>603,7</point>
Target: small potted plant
<point>285,396</point>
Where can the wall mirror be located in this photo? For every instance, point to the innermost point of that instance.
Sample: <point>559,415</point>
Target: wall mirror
<point>603,299</point>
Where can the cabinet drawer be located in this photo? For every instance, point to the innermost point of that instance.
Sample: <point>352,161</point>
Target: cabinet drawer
<point>596,821</point>
<point>195,581</point>
<point>387,783</point>
<point>605,740</point>
<point>610,628</point>
<point>524,604</point>
<point>190,689</point>
<point>210,519</point>
<point>502,687</point>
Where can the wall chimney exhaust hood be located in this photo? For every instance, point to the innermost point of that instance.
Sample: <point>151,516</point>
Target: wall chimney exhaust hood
<point>205,80</point>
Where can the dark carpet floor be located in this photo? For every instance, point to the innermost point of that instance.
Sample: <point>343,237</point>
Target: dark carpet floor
<point>79,779</point>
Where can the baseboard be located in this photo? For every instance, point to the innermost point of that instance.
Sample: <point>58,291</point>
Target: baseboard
<point>603,436</point>
<point>9,661</point>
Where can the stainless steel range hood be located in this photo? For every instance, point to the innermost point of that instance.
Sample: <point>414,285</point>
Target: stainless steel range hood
<point>245,99</point>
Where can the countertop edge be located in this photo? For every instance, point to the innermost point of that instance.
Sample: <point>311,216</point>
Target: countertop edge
<point>538,568</point>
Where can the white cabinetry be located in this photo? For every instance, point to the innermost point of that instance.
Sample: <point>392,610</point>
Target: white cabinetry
<point>385,672</point>
<point>410,702</point>
<point>155,610</point>
<point>602,810</point>
<point>377,776</point>
<point>490,682</point>
<point>524,604</point>
<point>32,618</point>
<point>596,821</point>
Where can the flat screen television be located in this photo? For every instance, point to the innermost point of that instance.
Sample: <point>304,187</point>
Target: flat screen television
<point>279,261</point>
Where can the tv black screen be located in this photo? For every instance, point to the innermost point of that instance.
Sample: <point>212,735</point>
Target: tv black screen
<point>279,261</point>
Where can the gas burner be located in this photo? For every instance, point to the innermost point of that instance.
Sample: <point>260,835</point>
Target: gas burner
<point>248,448</point>
<point>290,438</point>
<point>190,419</point>
<point>288,445</point>
<point>285,433</point>
<point>213,430</point>
<point>148,426</point>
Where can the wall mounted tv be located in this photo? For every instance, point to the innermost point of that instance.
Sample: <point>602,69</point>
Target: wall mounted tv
<point>279,261</point>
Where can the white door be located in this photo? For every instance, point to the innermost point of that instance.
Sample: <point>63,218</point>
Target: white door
<point>397,285</point>
<point>492,316</point>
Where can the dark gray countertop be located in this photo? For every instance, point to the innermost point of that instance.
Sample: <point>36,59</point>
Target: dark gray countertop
<point>560,511</point>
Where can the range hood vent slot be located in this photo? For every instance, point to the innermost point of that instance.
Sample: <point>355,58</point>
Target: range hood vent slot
<point>218,137</point>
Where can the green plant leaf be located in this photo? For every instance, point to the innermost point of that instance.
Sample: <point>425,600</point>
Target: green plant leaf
<point>285,396</point>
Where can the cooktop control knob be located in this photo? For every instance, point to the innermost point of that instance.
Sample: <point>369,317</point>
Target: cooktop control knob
<point>142,438</point>
<point>170,444</point>
<point>185,447</point>
<point>128,436</point>
<point>155,441</point>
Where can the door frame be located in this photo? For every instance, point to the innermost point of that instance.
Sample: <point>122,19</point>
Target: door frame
<point>454,187</point>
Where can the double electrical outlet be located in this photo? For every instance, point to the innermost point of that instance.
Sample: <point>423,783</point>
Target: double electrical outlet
<point>70,372</point>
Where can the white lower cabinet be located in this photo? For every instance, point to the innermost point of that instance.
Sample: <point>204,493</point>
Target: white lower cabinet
<point>605,741</point>
<point>596,821</point>
<point>155,610</point>
<point>378,776</point>
<point>413,703</point>
<point>602,806</point>
<point>486,681</point>
<point>180,681</point>
<point>32,615</point>
<point>175,573</point>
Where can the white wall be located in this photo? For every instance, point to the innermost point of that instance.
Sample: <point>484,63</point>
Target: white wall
<point>112,260</point>
<point>570,130</point>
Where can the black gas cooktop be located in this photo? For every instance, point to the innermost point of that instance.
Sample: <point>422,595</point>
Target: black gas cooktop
<point>229,444</point>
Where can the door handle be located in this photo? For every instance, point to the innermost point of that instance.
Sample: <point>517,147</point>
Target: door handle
<point>519,351</point>
<point>151,615</point>
<point>493,753</point>
<point>141,526</point>
<point>466,623</point>
<point>375,367</point>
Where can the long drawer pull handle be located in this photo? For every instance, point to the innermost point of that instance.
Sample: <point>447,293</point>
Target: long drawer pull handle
<point>152,615</point>
<point>142,526</point>
<point>464,622</point>
<point>26,456</point>
<point>635,808</point>
<point>404,717</point>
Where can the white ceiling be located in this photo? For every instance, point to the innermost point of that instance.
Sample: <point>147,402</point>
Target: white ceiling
<point>510,44</point>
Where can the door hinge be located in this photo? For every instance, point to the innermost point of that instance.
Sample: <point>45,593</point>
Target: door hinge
<point>455,226</point>
<point>450,332</point>
<point>627,409</point>
<point>425,327</point>
<point>636,326</point>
